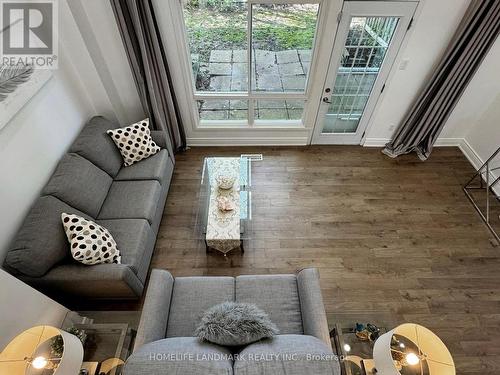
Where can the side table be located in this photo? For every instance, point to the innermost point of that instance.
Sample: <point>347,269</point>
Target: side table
<point>356,355</point>
<point>106,347</point>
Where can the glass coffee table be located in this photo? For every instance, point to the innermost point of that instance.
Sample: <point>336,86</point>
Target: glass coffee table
<point>225,231</point>
<point>356,355</point>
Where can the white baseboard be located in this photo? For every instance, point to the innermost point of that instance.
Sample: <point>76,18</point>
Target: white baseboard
<point>441,142</point>
<point>471,154</point>
<point>376,142</point>
<point>448,142</point>
<point>477,162</point>
<point>248,141</point>
<point>298,141</point>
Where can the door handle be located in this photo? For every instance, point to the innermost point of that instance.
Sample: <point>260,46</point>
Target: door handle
<point>327,100</point>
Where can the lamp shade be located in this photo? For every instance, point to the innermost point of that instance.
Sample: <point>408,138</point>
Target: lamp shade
<point>42,350</point>
<point>411,349</point>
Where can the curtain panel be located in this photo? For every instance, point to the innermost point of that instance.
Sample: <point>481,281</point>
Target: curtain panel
<point>140,34</point>
<point>475,35</point>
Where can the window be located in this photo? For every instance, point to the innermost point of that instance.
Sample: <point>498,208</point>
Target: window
<point>250,59</point>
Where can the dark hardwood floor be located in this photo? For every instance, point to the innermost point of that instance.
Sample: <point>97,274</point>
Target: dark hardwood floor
<point>395,240</point>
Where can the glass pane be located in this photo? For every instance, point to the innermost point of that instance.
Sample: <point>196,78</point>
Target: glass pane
<point>282,43</point>
<point>217,35</point>
<point>365,48</point>
<point>227,110</point>
<point>279,109</point>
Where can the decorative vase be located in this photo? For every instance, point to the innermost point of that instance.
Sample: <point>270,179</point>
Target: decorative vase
<point>225,182</point>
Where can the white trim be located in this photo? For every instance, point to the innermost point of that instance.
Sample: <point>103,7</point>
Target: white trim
<point>441,142</point>
<point>376,142</point>
<point>246,141</point>
<point>477,162</point>
<point>471,154</point>
<point>449,142</point>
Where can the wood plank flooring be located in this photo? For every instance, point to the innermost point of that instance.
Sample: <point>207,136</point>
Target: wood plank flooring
<point>395,240</point>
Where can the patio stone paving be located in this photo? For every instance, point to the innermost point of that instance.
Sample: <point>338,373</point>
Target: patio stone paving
<point>240,55</point>
<point>216,104</point>
<point>272,114</point>
<point>240,70</point>
<point>227,71</point>
<point>264,57</point>
<point>220,83</point>
<point>267,104</point>
<point>221,55</point>
<point>291,69</point>
<point>266,69</point>
<point>293,83</point>
<point>220,69</point>
<point>269,82</point>
<point>239,84</point>
<point>287,57</point>
<point>305,55</point>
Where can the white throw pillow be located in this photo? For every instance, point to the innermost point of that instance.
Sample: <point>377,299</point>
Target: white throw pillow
<point>90,243</point>
<point>134,142</point>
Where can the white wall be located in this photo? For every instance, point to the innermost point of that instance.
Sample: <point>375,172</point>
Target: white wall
<point>23,307</point>
<point>99,32</point>
<point>31,145</point>
<point>477,114</point>
<point>431,32</point>
<point>37,136</point>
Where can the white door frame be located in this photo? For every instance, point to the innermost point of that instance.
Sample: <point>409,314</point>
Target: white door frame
<point>405,10</point>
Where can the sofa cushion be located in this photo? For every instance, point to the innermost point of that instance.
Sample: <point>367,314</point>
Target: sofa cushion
<point>107,280</point>
<point>95,145</point>
<point>41,242</point>
<point>153,168</point>
<point>90,243</point>
<point>131,200</point>
<point>277,295</point>
<point>191,297</point>
<point>287,355</point>
<point>179,355</point>
<point>79,183</point>
<point>135,240</point>
<point>134,142</point>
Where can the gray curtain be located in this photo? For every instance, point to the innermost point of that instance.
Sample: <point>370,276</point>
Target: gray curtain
<point>140,34</point>
<point>475,35</point>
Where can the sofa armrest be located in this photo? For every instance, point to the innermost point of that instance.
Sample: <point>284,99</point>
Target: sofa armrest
<point>311,304</point>
<point>161,139</point>
<point>154,318</point>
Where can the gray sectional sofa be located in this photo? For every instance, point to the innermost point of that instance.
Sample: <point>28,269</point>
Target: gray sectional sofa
<point>172,309</point>
<point>90,181</point>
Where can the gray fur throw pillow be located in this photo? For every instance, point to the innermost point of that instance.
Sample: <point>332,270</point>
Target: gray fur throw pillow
<point>235,324</point>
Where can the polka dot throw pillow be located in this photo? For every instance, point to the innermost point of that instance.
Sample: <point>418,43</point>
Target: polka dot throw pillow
<point>90,243</point>
<point>134,142</point>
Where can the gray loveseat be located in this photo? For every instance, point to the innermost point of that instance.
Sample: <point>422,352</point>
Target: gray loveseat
<point>90,181</point>
<point>172,309</point>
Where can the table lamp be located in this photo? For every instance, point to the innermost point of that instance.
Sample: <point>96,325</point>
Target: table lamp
<point>411,349</point>
<point>42,350</point>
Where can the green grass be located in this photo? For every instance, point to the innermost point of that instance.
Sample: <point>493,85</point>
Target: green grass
<point>212,28</point>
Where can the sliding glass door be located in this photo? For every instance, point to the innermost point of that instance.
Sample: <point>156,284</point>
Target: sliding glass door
<point>250,59</point>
